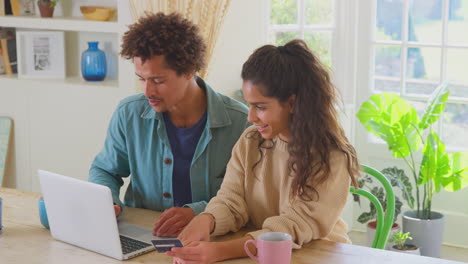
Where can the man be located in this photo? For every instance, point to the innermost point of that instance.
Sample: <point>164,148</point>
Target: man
<point>175,139</point>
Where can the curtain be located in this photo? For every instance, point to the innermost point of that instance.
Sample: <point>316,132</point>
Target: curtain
<point>208,15</point>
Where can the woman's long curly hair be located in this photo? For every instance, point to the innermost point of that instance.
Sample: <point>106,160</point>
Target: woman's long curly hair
<point>293,69</point>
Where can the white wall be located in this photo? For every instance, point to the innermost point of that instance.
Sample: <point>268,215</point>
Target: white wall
<point>60,125</point>
<point>243,31</point>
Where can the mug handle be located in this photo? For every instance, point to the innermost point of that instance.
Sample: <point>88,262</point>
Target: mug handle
<point>246,248</point>
<point>43,213</point>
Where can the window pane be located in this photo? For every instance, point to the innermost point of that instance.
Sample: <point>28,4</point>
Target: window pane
<point>458,22</point>
<point>389,20</point>
<point>425,21</point>
<point>386,86</point>
<point>283,12</point>
<point>424,88</point>
<point>281,38</point>
<point>458,90</point>
<point>455,125</point>
<point>457,73</point>
<point>320,44</point>
<point>319,11</point>
<point>423,63</point>
<point>387,61</point>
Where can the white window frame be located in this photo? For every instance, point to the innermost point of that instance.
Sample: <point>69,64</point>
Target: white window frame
<point>301,27</point>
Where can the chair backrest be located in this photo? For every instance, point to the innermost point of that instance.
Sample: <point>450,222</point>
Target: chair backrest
<point>384,219</point>
<point>5,131</point>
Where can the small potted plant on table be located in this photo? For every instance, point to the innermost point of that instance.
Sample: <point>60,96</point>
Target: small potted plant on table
<point>400,245</point>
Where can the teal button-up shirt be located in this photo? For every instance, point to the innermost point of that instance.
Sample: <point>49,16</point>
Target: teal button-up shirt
<point>137,145</point>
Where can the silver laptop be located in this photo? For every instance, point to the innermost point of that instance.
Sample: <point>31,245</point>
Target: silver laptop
<point>81,213</point>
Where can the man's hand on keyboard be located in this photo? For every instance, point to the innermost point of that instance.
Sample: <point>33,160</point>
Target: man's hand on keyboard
<point>117,209</point>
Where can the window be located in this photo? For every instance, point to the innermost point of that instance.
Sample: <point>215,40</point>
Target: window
<point>311,20</point>
<point>403,46</point>
<point>417,45</point>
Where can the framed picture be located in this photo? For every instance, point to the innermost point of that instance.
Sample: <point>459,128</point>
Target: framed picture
<point>41,54</point>
<point>27,7</point>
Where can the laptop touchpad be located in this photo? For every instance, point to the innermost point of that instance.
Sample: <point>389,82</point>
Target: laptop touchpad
<point>133,231</point>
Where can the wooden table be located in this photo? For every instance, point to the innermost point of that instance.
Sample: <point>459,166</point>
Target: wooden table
<point>24,240</point>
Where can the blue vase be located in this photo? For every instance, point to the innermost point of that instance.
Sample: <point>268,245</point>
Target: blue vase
<point>93,63</point>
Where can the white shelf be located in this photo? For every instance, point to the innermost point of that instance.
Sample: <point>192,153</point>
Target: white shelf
<point>12,81</point>
<point>59,23</point>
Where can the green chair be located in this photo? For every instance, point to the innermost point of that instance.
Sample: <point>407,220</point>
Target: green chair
<point>5,131</point>
<point>384,219</point>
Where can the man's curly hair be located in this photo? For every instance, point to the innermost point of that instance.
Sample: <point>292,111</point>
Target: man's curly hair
<point>172,36</point>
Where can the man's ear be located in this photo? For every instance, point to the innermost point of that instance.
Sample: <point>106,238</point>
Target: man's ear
<point>291,101</point>
<point>189,76</point>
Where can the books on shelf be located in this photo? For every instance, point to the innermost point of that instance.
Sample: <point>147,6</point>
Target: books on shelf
<point>2,7</point>
<point>7,5</point>
<point>17,7</point>
<point>8,53</point>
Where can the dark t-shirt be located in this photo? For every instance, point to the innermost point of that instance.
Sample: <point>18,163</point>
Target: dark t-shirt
<point>183,144</point>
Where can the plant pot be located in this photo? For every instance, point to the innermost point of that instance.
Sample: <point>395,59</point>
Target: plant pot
<point>409,249</point>
<point>44,9</point>
<point>372,225</point>
<point>426,233</point>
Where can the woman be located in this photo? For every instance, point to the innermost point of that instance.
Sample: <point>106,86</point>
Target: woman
<point>291,171</point>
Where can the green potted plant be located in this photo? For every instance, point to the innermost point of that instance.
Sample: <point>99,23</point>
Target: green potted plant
<point>409,136</point>
<point>400,245</point>
<point>46,7</point>
<point>369,218</point>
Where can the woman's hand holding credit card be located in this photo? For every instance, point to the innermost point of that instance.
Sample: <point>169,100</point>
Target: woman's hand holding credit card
<point>165,244</point>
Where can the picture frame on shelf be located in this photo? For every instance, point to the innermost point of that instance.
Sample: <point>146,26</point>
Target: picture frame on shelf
<point>41,54</point>
<point>27,7</point>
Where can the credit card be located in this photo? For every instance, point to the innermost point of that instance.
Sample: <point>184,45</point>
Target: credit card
<point>163,245</point>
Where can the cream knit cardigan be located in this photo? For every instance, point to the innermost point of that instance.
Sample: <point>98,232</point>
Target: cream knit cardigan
<point>261,197</point>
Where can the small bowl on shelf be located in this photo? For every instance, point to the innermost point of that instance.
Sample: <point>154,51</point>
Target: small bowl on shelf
<point>98,13</point>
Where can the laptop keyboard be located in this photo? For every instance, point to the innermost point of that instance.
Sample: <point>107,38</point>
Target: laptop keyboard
<point>130,245</point>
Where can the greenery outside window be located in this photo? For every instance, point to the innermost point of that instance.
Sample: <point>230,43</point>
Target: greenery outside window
<point>310,20</point>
